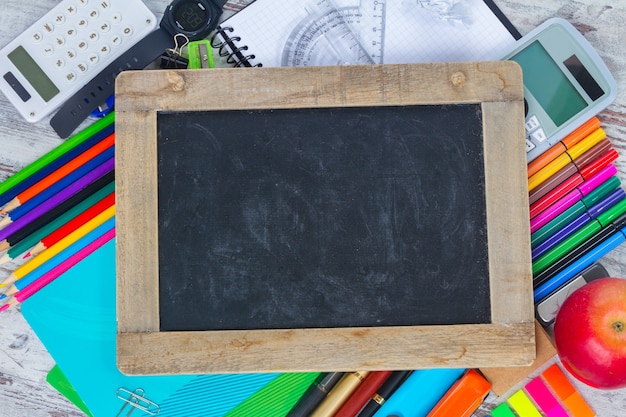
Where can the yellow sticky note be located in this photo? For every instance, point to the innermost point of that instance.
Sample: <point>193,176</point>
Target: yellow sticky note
<point>522,405</point>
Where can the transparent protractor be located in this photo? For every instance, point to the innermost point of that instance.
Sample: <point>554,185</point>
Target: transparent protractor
<point>329,39</point>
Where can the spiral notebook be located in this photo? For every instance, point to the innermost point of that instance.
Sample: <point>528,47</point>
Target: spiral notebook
<point>348,32</point>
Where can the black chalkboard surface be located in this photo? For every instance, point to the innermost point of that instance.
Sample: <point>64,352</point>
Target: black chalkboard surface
<point>322,219</point>
<point>332,217</point>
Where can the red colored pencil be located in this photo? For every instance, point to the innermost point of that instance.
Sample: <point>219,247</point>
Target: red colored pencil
<point>57,271</point>
<point>72,225</point>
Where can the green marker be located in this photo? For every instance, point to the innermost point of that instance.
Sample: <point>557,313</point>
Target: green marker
<point>60,150</point>
<point>579,237</point>
<point>576,210</point>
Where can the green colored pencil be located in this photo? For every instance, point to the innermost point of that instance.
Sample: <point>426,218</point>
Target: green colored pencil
<point>34,238</point>
<point>65,147</point>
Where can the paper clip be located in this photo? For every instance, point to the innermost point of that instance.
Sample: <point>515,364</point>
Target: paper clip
<point>137,401</point>
<point>173,58</point>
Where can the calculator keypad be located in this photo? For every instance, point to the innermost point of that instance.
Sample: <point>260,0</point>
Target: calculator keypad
<point>86,25</point>
<point>534,133</point>
<point>68,47</point>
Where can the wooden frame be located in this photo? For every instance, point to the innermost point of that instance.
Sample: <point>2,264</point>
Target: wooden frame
<point>507,341</point>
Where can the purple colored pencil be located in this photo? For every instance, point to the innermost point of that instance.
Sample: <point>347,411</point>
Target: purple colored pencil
<point>59,198</point>
<point>572,197</point>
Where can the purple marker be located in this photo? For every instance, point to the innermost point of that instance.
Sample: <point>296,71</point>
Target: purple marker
<point>584,218</point>
<point>59,198</point>
<point>572,197</point>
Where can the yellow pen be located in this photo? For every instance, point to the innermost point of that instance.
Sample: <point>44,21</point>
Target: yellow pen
<point>565,158</point>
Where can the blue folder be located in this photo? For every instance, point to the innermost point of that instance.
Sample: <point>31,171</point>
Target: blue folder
<point>75,319</point>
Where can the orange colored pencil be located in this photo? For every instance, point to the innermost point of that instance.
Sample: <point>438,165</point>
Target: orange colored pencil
<point>570,140</point>
<point>60,173</point>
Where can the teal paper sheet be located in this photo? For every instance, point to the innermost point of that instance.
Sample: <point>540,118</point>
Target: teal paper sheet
<point>75,319</point>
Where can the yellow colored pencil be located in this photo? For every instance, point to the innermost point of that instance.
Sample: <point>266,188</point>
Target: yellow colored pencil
<point>59,246</point>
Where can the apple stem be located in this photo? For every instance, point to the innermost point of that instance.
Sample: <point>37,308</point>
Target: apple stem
<point>618,326</point>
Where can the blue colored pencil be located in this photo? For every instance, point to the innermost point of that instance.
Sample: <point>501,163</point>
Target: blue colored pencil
<point>37,176</point>
<point>61,257</point>
<point>61,184</point>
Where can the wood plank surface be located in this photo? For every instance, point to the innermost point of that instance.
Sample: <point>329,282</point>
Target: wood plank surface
<point>24,362</point>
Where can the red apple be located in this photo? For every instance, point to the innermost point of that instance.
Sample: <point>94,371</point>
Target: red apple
<point>590,333</point>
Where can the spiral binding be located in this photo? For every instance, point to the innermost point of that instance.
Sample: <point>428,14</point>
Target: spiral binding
<point>234,53</point>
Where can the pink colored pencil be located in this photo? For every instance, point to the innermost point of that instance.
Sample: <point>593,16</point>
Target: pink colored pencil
<point>572,197</point>
<point>63,267</point>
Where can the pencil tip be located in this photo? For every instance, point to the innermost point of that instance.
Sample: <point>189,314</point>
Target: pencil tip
<point>5,221</point>
<point>4,259</point>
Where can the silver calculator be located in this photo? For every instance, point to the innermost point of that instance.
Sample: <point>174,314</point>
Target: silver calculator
<point>66,48</point>
<point>566,83</point>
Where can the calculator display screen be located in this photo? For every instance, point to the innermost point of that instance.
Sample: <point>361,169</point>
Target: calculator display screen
<point>547,83</point>
<point>33,73</point>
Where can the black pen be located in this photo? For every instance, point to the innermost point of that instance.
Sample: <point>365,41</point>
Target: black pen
<point>315,394</point>
<point>386,389</point>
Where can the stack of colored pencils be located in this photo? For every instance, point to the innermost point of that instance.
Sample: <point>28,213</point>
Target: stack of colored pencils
<point>577,207</point>
<point>57,210</point>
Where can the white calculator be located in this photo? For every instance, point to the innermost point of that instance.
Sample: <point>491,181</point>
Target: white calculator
<point>62,51</point>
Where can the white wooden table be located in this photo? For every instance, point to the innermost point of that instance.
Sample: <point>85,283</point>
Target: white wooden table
<point>24,362</point>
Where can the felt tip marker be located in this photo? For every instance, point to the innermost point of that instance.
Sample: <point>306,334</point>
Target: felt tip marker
<point>577,209</point>
<point>585,260</point>
<point>580,236</point>
<point>464,397</point>
<point>572,197</point>
<point>572,181</point>
<point>585,217</point>
<point>580,250</point>
<point>565,158</point>
<point>563,145</point>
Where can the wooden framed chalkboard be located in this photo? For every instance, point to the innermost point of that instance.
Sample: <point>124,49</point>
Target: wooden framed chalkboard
<point>324,218</point>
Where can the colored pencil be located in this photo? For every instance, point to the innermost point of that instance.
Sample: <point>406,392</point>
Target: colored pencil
<point>57,199</point>
<point>605,204</point>
<point>60,173</point>
<point>566,157</point>
<point>72,225</point>
<point>46,267</point>
<point>577,209</point>
<point>570,140</point>
<point>32,227</point>
<point>57,271</point>
<point>570,183</point>
<point>61,245</point>
<point>577,238</point>
<point>572,197</point>
<point>54,159</point>
<point>362,394</point>
<point>84,210</point>
<point>70,180</point>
